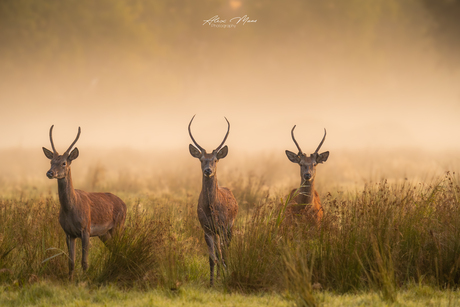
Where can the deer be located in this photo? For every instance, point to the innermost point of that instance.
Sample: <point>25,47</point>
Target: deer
<point>305,200</point>
<point>82,214</point>
<point>217,207</point>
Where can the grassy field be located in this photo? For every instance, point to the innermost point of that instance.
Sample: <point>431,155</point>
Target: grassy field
<point>52,294</point>
<point>391,233</point>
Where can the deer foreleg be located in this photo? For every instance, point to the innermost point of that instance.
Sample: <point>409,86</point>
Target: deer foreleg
<point>219,255</point>
<point>71,246</point>
<point>212,255</point>
<point>84,250</point>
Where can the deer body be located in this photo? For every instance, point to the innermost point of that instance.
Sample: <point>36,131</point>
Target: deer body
<point>83,211</point>
<point>82,214</point>
<point>217,207</point>
<point>305,200</point>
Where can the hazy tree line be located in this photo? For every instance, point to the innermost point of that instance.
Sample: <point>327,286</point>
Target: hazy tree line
<point>446,28</point>
<point>136,36</point>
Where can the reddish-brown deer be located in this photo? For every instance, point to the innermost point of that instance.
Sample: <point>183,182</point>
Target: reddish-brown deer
<point>217,207</point>
<point>305,199</point>
<point>82,215</point>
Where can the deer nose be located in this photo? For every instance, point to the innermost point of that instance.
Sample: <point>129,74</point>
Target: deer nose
<point>307,176</point>
<point>207,172</point>
<point>49,174</point>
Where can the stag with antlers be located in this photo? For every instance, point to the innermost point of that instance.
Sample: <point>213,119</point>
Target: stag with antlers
<point>306,199</point>
<point>82,215</point>
<point>217,207</point>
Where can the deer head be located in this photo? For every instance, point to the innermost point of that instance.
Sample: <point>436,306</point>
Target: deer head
<point>208,160</point>
<point>307,163</point>
<point>60,164</point>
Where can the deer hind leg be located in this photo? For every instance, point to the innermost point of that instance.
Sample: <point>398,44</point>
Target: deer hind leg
<point>106,237</point>
<point>212,255</point>
<point>116,230</point>
<point>224,244</point>
<point>71,246</point>
<point>229,236</point>
<point>84,250</point>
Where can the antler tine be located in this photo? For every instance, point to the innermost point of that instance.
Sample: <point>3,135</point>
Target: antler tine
<point>225,138</point>
<point>293,138</point>
<point>51,139</point>
<point>322,141</point>
<point>191,136</point>
<point>76,139</point>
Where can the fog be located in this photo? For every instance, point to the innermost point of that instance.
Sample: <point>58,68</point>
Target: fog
<point>134,78</point>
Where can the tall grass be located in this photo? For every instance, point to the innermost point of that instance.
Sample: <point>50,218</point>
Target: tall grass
<point>254,254</point>
<point>378,238</point>
<point>133,256</point>
<point>298,276</point>
<point>388,236</point>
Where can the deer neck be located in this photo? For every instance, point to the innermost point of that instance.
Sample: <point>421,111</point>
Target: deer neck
<point>209,189</point>
<point>306,192</point>
<point>67,195</point>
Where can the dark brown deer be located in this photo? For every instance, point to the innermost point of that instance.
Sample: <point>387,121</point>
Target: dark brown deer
<point>82,215</point>
<point>217,207</point>
<point>305,199</point>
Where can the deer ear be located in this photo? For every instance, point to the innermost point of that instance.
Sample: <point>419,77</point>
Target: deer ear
<point>74,154</point>
<point>292,157</point>
<point>322,157</point>
<point>194,152</point>
<point>48,153</point>
<point>222,153</point>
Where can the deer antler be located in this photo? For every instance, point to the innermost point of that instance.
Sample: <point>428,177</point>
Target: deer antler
<point>293,138</point>
<point>51,139</point>
<point>225,138</point>
<point>201,148</point>
<point>76,139</point>
<point>322,141</point>
<point>191,136</point>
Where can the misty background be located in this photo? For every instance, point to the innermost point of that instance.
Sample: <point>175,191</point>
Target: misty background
<point>378,75</point>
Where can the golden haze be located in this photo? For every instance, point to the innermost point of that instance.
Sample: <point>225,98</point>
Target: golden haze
<point>133,78</point>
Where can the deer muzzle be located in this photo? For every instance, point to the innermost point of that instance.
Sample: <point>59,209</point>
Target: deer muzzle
<point>207,172</point>
<point>50,174</point>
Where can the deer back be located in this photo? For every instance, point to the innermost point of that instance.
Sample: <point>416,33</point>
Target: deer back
<point>94,212</point>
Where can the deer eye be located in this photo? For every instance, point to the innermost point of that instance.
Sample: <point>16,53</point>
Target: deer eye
<point>64,164</point>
